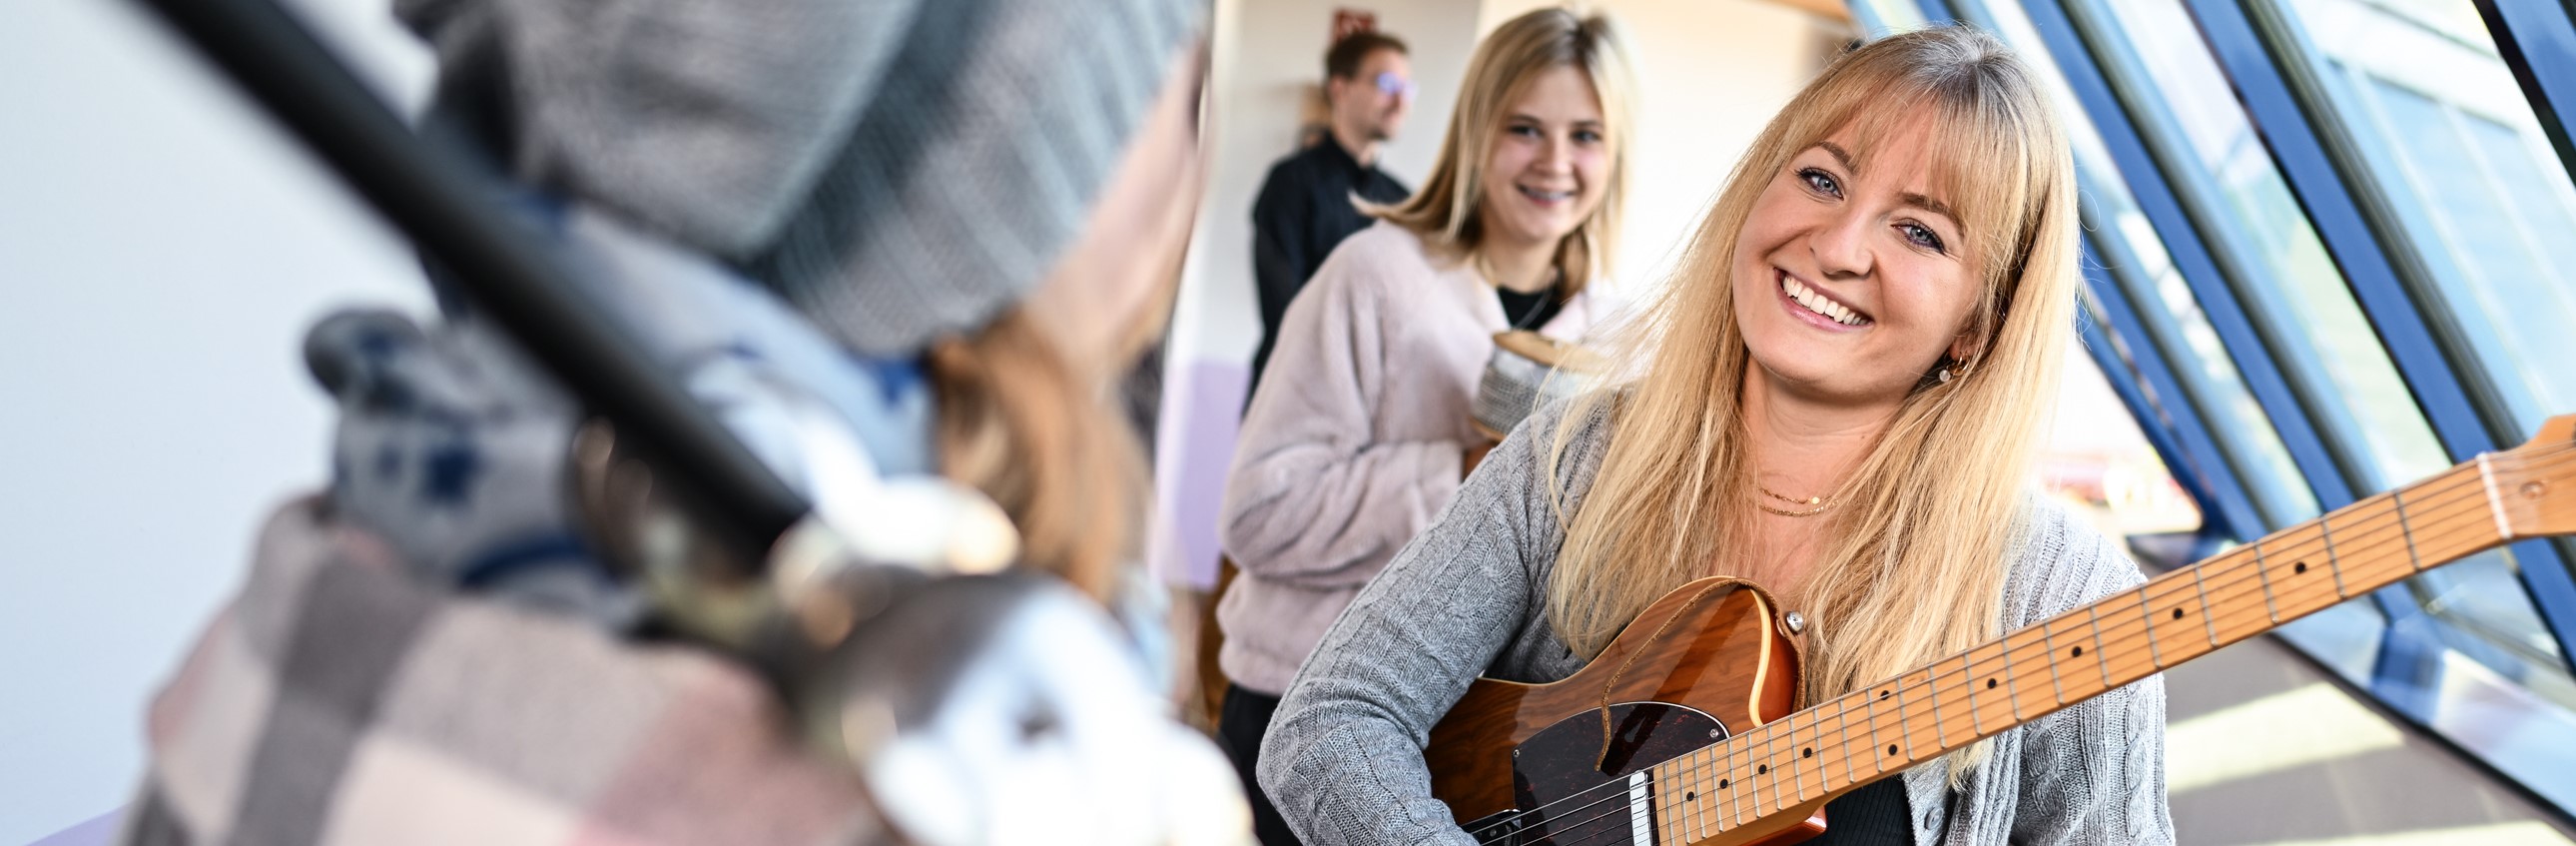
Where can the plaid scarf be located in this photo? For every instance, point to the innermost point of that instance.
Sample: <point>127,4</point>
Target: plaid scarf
<point>339,700</point>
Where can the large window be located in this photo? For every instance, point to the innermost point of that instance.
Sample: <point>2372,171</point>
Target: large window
<point>2137,260</point>
<point>2455,152</point>
<point>2287,386</point>
<point>2231,280</point>
<point>2261,238</point>
<point>2308,316</point>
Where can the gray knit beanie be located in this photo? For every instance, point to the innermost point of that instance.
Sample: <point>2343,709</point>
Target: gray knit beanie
<point>899,170</point>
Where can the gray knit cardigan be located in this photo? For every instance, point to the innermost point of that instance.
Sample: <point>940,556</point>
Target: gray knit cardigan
<point>1343,759</point>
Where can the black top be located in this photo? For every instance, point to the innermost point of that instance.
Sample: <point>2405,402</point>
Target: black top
<point>1304,210</point>
<point>1874,815</point>
<point>1530,311</point>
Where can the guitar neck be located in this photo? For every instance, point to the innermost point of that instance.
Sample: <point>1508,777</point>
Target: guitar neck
<point>1920,715</point>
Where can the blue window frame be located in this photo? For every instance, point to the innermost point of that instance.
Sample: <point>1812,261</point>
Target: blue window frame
<point>2431,400</point>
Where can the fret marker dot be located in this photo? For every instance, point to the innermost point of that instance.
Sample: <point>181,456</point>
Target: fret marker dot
<point>1810,753</point>
<point>1722,784</point>
<point>1690,797</point>
<point>1762,769</point>
<point>2300,567</point>
<point>1891,749</point>
<point>1882,694</point>
<point>2079,652</point>
<point>1990,684</point>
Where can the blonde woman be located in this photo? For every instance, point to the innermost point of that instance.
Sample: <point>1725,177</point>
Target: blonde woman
<point>1361,430</point>
<point>1847,375</point>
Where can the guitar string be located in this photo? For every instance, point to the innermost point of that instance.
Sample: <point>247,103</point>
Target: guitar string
<point>2126,633</point>
<point>2143,631</point>
<point>2426,505</point>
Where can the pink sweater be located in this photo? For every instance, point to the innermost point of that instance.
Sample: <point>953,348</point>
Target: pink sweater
<point>1354,441</point>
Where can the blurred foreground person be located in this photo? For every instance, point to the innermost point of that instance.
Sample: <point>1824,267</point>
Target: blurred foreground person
<point>837,224</point>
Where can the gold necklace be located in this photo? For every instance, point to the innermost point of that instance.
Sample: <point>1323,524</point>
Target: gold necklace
<point>1815,504</point>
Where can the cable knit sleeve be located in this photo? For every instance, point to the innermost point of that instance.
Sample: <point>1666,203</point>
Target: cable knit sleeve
<point>1314,497</point>
<point>1343,758</point>
<point>2095,772</point>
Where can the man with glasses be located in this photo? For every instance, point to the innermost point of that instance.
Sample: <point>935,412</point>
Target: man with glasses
<point>1305,207</point>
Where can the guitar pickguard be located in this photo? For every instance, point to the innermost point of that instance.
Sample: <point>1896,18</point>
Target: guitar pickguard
<point>1568,787</point>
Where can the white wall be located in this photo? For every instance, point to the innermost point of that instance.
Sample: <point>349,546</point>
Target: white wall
<point>1265,53</point>
<point>161,250</point>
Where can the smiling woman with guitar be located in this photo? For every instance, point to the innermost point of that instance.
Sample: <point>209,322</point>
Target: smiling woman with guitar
<point>1836,399</point>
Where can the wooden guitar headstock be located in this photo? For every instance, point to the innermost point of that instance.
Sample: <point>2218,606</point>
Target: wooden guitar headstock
<point>2533,487</point>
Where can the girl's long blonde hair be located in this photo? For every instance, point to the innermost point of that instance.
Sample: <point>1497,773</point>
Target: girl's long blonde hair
<point>1445,213</point>
<point>1911,562</point>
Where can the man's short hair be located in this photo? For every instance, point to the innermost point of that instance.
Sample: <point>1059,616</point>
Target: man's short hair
<point>1343,60</point>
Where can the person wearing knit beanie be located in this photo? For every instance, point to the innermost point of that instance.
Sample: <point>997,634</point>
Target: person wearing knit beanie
<point>865,206</point>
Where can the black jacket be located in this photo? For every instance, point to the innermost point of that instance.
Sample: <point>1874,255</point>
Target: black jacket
<point>1303,211</point>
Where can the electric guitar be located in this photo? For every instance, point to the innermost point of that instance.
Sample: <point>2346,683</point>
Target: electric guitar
<point>1682,731</point>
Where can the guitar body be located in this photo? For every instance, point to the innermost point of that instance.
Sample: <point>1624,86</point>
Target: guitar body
<point>1706,662</point>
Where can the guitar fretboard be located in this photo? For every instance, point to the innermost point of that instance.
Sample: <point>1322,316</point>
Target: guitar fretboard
<point>1904,721</point>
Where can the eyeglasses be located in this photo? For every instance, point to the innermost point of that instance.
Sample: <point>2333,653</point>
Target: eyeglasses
<point>1388,82</point>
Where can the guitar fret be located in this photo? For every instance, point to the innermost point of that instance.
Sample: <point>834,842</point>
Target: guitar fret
<point>1842,721</point>
<point>2413,560</point>
<point>1732,782</point>
<point>1795,766</point>
<point>1903,748</point>
<point>2206,619</point>
<point>1876,762</point>
<point>2147,616</point>
<point>1686,817</point>
<point>2099,656</point>
<point>1749,789</point>
<point>1806,756</point>
<point>2264,573</point>
<point>1673,806</point>
<point>1771,756</point>
<point>1968,682</point>
<point>1940,728</point>
<point>2012,687</point>
<point>1821,765</point>
<point>1784,767</point>
<point>1698,813</point>
<point>1715,811</point>
<point>2048,638</point>
<point>2334,563</point>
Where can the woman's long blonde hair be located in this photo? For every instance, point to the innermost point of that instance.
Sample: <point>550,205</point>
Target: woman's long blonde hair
<point>1033,430</point>
<point>1445,213</point>
<point>1911,562</point>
